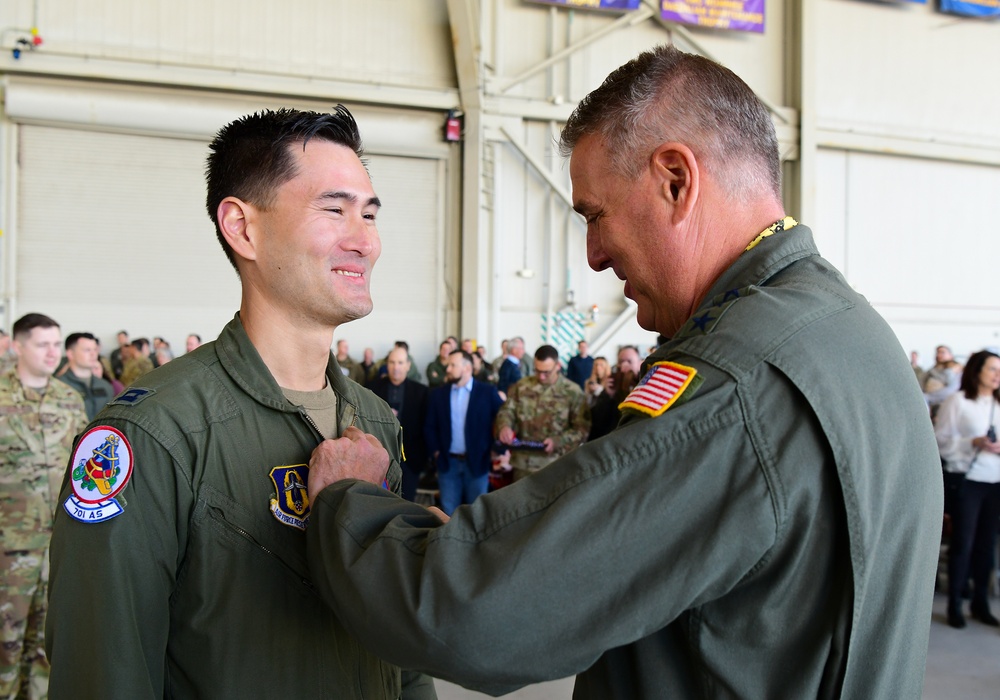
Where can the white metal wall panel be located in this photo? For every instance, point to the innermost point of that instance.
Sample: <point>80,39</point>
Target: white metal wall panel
<point>918,241</point>
<point>113,234</point>
<point>395,42</point>
<point>903,69</point>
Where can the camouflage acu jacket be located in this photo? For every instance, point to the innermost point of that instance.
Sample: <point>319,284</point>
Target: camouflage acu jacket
<point>536,411</point>
<point>36,436</point>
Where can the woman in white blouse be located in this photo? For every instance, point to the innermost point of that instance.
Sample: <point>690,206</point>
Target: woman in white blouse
<point>966,437</point>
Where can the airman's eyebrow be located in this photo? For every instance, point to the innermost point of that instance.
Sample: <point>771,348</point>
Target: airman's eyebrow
<point>351,197</point>
<point>583,207</point>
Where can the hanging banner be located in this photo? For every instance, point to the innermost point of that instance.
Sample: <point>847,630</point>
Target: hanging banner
<point>740,15</point>
<point>619,5</point>
<point>972,8</point>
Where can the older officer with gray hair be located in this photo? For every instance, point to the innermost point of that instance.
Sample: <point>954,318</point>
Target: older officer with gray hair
<point>758,525</point>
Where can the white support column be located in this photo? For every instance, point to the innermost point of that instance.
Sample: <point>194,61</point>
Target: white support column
<point>476,234</point>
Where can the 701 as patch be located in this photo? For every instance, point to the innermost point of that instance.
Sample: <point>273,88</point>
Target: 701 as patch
<point>101,468</point>
<point>290,504</point>
<point>660,388</point>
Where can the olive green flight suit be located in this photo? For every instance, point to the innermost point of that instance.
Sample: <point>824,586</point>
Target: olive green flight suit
<point>196,590</point>
<point>773,534</point>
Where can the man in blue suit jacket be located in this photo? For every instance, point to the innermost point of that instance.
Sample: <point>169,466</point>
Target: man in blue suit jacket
<point>459,432</point>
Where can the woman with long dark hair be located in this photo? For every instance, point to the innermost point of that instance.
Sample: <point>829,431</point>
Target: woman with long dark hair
<point>967,439</point>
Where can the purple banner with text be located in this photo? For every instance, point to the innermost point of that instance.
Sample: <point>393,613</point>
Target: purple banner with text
<point>619,5</point>
<point>741,15</point>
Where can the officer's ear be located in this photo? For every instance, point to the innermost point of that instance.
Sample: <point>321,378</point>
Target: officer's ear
<point>238,224</point>
<point>677,174</point>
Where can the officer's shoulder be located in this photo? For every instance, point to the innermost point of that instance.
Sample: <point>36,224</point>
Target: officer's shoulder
<point>740,328</point>
<point>186,390</point>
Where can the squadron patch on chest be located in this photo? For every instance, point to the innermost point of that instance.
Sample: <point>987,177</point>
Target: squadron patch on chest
<point>102,466</point>
<point>660,388</point>
<point>290,503</point>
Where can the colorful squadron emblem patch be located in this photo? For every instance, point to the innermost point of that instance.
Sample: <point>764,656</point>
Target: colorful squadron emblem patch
<point>102,466</point>
<point>660,388</point>
<point>290,504</point>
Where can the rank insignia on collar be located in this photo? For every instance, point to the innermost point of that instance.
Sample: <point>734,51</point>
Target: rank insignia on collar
<point>290,503</point>
<point>102,466</point>
<point>660,388</point>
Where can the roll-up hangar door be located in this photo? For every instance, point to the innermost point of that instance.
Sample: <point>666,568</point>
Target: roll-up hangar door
<point>111,232</point>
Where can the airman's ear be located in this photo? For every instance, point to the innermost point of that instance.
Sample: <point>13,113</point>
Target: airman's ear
<point>237,222</point>
<point>677,171</point>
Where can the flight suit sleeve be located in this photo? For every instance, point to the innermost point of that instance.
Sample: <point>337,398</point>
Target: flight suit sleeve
<point>535,581</point>
<point>111,581</point>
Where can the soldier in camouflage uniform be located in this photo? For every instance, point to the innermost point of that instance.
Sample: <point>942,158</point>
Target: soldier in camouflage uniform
<point>38,420</point>
<point>544,408</point>
<point>137,362</point>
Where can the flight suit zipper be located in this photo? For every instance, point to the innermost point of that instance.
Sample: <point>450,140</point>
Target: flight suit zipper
<point>250,538</point>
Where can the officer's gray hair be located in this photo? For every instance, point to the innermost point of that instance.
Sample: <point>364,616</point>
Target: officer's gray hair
<point>668,95</point>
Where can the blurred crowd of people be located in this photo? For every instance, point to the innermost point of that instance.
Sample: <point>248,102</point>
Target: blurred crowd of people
<point>963,402</point>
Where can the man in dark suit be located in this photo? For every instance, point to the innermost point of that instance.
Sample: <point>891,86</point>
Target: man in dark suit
<point>460,432</point>
<point>408,400</point>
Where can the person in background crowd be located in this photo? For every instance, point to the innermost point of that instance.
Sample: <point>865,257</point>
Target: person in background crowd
<point>459,432</point>
<point>580,365</point>
<point>482,370</point>
<point>164,355</point>
<point>597,382</point>
<point>82,372</point>
<point>546,409</point>
<point>137,364</point>
<point>367,363</point>
<point>966,436</point>
<point>765,520</point>
<point>605,413</point>
<point>511,369</point>
<point>117,361</point>
<point>943,379</point>
<point>408,401</point>
<point>38,419</point>
<point>437,369</point>
<point>192,343</point>
<point>195,583</point>
<point>348,366</point>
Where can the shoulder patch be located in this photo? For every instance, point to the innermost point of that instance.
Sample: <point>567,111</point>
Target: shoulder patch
<point>92,512</point>
<point>660,388</point>
<point>102,466</point>
<point>132,396</point>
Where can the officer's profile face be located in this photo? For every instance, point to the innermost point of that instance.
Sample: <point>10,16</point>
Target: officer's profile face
<point>547,371</point>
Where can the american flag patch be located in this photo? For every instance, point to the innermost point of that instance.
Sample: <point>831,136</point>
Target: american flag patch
<point>659,389</point>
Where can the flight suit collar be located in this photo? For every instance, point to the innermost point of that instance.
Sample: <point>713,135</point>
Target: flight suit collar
<point>243,363</point>
<point>764,260</point>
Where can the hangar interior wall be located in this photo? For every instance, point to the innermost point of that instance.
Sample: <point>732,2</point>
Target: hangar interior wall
<point>885,118</point>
